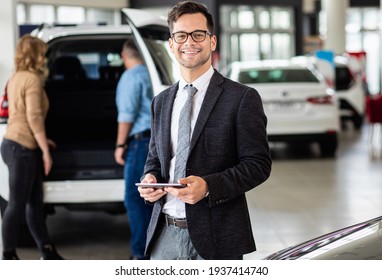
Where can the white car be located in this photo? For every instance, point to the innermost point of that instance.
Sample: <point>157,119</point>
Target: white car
<point>85,66</point>
<point>297,101</point>
<point>350,87</point>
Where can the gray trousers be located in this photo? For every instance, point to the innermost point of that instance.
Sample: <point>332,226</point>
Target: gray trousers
<point>173,243</point>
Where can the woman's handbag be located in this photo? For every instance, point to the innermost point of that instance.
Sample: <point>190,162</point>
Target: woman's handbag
<point>4,103</point>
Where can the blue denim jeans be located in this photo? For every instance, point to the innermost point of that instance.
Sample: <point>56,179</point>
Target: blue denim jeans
<point>138,212</point>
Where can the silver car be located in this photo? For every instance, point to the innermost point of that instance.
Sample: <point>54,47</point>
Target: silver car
<point>362,241</point>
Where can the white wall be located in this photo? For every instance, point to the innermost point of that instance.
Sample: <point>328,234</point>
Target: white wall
<point>8,38</point>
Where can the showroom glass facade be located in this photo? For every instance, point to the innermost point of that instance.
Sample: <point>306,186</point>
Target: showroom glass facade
<point>256,32</point>
<point>61,14</point>
<point>362,33</point>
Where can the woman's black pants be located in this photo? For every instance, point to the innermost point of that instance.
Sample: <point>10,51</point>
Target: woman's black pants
<point>25,195</point>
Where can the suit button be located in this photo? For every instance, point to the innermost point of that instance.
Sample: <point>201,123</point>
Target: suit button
<point>220,201</point>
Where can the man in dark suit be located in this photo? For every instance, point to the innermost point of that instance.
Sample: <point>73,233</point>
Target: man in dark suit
<point>228,153</point>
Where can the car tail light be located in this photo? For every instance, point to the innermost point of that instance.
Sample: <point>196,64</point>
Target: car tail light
<point>329,82</point>
<point>4,107</point>
<point>327,99</point>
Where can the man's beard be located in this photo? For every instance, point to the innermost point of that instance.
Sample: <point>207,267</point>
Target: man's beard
<point>193,64</point>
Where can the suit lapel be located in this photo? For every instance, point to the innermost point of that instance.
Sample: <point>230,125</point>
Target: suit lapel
<point>213,92</point>
<point>166,114</point>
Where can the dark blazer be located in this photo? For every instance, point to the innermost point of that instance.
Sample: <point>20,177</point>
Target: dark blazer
<point>229,150</point>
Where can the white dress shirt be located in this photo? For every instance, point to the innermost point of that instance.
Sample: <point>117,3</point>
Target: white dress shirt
<point>174,206</point>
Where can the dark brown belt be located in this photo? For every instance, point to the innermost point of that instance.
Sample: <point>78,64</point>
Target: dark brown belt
<point>180,223</point>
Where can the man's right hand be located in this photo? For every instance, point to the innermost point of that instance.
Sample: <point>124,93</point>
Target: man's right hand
<point>119,154</point>
<point>150,194</point>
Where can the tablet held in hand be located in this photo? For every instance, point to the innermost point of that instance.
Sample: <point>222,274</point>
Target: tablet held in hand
<point>160,185</point>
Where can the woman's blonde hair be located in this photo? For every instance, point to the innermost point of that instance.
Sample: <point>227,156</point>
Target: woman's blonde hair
<point>30,55</point>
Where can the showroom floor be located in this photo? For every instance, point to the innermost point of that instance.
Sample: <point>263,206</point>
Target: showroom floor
<point>306,196</point>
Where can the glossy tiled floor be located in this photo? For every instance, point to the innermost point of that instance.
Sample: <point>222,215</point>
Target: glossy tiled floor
<point>306,196</point>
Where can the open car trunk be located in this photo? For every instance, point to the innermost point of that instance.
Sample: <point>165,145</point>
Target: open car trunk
<point>82,117</point>
<point>82,120</point>
<point>84,70</point>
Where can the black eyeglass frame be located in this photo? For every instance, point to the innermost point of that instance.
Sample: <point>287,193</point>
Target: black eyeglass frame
<point>191,34</point>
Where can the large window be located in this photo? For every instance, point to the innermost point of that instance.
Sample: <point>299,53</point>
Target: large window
<point>362,34</point>
<point>38,14</point>
<point>58,14</point>
<point>254,32</point>
<point>68,14</point>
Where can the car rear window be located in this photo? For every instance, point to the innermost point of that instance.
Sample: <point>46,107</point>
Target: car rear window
<point>98,58</point>
<point>85,58</point>
<point>258,76</point>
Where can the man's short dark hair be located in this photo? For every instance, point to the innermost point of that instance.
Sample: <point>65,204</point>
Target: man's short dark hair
<point>189,7</point>
<point>130,49</point>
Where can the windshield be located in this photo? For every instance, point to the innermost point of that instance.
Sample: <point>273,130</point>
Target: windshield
<point>258,76</point>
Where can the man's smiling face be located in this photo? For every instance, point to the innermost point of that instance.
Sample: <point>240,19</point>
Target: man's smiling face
<point>193,55</point>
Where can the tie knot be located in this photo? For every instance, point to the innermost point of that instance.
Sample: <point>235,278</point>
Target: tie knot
<point>191,90</point>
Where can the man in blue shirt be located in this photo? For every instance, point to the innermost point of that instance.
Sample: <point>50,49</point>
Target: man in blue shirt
<point>133,99</point>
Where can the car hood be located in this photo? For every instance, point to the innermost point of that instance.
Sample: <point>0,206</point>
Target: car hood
<point>362,241</point>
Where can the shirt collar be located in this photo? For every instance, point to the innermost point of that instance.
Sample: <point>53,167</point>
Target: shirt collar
<point>200,82</point>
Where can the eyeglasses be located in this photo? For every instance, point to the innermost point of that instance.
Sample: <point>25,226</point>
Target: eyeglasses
<point>197,35</point>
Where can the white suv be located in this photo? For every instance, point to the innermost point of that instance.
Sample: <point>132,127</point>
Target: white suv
<point>85,66</point>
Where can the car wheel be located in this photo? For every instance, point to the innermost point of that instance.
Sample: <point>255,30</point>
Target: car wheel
<point>328,146</point>
<point>25,238</point>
